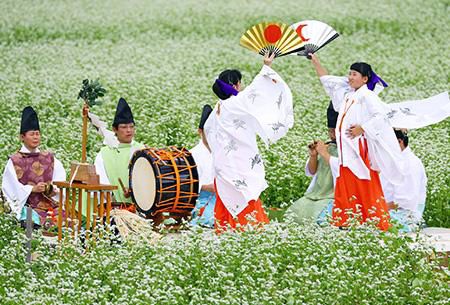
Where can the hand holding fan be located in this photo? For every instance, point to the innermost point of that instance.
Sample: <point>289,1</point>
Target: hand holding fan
<point>271,37</point>
<point>315,35</point>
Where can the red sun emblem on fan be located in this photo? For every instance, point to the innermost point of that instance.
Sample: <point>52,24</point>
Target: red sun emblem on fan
<point>299,32</point>
<point>272,33</point>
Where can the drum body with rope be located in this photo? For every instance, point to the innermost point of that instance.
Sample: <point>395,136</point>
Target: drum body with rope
<point>163,180</point>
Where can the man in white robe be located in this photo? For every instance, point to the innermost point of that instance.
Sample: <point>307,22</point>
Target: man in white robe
<point>203,213</point>
<point>406,201</point>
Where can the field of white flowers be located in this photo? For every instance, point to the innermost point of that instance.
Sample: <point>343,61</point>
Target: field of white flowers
<point>162,57</point>
<point>285,264</point>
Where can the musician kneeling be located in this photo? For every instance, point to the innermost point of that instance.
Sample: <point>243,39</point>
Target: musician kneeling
<point>111,164</point>
<point>320,192</point>
<point>203,213</point>
<point>29,173</point>
<point>406,201</point>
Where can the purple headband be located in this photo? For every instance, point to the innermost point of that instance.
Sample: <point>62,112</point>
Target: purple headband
<point>374,79</point>
<point>226,88</point>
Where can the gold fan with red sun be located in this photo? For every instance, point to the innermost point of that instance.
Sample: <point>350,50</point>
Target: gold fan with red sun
<point>273,37</point>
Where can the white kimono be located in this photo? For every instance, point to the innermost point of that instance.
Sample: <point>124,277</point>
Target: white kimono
<point>204,162</point>
<point>377,119</point>
<point>411,194</point>
<point>16,193</point>
<point>264,108</point>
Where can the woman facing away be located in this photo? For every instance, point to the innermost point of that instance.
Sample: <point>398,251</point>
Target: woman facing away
<point>366,145</point>
<point>265,109</point>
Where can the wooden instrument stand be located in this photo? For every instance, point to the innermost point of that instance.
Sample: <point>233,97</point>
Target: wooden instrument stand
<point>71,196</point>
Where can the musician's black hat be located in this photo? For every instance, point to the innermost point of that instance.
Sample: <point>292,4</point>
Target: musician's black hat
<point>123,113</point>
<point>30,120</point>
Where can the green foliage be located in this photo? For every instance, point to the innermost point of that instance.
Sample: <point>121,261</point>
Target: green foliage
<point>90,91</point>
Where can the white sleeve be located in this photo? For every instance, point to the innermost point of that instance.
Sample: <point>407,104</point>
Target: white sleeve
<point>15,192</point>
<point>334,165</point>
<point>384,151</point>
<point>266,104</point>
<point>100,169</point>
<point>376,122</point>
<point>412,191</point>
<point>336,87</point>
<point>309,174</point>
<point>59,174</point>
<point>388,188</point>
<point>307,171</point>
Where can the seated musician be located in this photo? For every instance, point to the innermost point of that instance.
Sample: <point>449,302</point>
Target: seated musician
<point>28,176</point>
<point>203,213</point>
<point>321,189</point>
<point>406,201</point>
<point>111,164</point>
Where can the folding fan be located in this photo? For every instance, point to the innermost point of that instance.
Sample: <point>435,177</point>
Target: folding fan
<point>274,37</point>
<point>315,35</point>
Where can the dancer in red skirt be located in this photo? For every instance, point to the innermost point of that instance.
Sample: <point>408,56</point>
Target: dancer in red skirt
<point>262,109</point>
<point>366,145</point>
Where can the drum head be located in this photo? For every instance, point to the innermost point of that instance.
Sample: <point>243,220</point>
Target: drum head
<point>144,183</point>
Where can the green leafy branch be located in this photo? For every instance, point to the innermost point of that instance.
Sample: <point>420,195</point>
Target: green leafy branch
<point>90,91</point>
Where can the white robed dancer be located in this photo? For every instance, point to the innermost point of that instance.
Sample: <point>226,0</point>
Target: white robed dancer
<point>265,109</point>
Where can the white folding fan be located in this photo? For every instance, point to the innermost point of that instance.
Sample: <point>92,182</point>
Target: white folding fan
<point>273,37</point>
<point>315,35</point>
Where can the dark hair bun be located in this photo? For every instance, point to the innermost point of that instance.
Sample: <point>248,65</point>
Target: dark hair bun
<point>231,77</point>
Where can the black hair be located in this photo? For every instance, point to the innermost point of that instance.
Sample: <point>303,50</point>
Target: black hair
<point>332,116</point>
<point>364,68</point>
<point>206,111</point>
<point>231,77</point>
<point>401,135</point>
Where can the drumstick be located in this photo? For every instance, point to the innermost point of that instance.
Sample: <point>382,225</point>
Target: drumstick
<point>122,186</point>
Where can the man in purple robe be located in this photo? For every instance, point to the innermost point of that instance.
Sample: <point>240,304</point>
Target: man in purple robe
<point>27,179</point>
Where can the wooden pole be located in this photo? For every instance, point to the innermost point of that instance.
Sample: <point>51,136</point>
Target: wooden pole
<point>88,212</point>
<point>108,207</point>
<point>29,233</point>
<point>94,222</point>
<point>60,210</point>
<point>73,214</point>
<point>84,133</point>
<point>102,206</point>
<point>68,210</point>
<point>80,208</point>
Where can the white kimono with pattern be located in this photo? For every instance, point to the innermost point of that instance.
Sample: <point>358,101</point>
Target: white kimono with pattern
<point>264,108</point>
<point>377,119</point>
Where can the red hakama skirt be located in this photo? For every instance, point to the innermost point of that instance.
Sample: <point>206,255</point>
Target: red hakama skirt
<point>253,214</point>
<point>364,198</point>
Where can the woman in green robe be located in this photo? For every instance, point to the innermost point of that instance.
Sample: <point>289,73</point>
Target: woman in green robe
<point>321,189</point>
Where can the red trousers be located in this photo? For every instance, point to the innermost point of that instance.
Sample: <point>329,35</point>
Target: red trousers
<point>360,196</point>
<point>253,214</point>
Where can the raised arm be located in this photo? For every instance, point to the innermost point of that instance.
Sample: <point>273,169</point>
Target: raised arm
<point>321,71</point>
<point>268,59</point>
<point>312,161</point>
